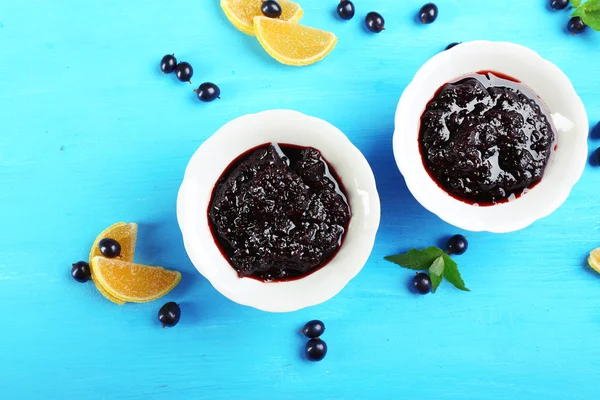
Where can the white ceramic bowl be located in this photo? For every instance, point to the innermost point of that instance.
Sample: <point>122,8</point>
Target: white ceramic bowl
<point>553,88</point>
<point>278,126</point>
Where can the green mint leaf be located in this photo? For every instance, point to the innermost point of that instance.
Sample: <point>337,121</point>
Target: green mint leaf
<point>591,5</point>
<point>452,275</point>
<point>592,19</point>
<point>437,268</point>
<point>418,260</point>
<point>576,3</point>
<point>435,281</point>
<point>435,272</point>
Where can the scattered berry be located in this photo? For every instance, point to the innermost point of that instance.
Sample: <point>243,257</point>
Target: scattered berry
<point>169,314</point>
<point>375,22</point>
<point>422,283</point>
<point>595,159</point>
<point>313,329</point>
<point>559,4</point>
<point>184,72</point>
<point>345,9</point>
<point>428,13</point>
<point>457,245</point>
<point>208,92</point>
<point>595,131</point>
<point>109,248</point>
<point>451,45</point>
<point>576,25</point>
<point>81,271</point>
<point>271,9</point>
<point>168,64</point>
<point>316,349</point>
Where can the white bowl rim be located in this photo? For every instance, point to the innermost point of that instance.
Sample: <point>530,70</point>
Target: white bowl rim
<point>225,280</point>
<point>455,214</point>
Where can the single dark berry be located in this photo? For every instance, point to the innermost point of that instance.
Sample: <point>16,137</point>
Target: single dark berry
<point>80,271</point>
<point>316,349</point>
<point>313,329</point>
<point>208,92</point>
<point>451,45</point>
<point>375,22</point>
<point>595,159</point>
<point>271,9</point>
<point>345,9</point>
<point>109,248</point>
<point>428,13</point>
<point>457,245</point>
<point>576,25</point>
<point>595,131</point>
<point>168,64</point>
<point>559,4</point>
<point>169,314</point>
<point>184,72</point>
<point>422,283</point>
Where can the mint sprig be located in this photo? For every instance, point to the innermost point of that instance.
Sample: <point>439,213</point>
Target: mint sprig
<point>588,11</point>
<point>436,261</point>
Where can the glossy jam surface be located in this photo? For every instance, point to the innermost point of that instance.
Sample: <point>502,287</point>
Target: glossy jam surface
<point>279,212</point>
<point>485,139</point>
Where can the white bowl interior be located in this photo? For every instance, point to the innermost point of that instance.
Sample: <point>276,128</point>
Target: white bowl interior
<point>552,87</point>
<point>279,126</point>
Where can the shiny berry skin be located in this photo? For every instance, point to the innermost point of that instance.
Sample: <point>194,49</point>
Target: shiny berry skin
<point>375,22</point>
<point>80,271</point>
<point>422,283</point>
<point>313,329</point>
<point>345,9</point>
<point>168,64</point>
<point>576,25</point>
<point>109,248</point>
<point>316,349</point>
<point>271,9</point>
<point>169,314</point>
<point>451,45</point>
<point>428,13</point>
<point>559,4</point>
<point>184,72</point>
<point>457,245</point>
<point>208,92</point>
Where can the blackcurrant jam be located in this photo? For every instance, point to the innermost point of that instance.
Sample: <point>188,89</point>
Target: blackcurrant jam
<point>486,138</point>
<point>279,212</point>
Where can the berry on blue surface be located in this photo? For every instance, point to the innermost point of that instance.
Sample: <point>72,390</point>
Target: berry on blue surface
<point>375,22</point>
<point>316,349</point>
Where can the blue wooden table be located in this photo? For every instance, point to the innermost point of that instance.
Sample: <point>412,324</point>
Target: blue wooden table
<point>91,133</point>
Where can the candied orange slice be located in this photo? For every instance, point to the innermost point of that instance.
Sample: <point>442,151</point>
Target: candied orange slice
<point>594,259</point>
<point>242,12</point>
<point>126,235</point>
<point>137,283</point>
<point>105,293</point>
<point>293,44</point>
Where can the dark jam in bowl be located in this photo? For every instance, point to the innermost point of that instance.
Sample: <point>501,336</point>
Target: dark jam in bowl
<point>485,138</point>
<point>279,212</point>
